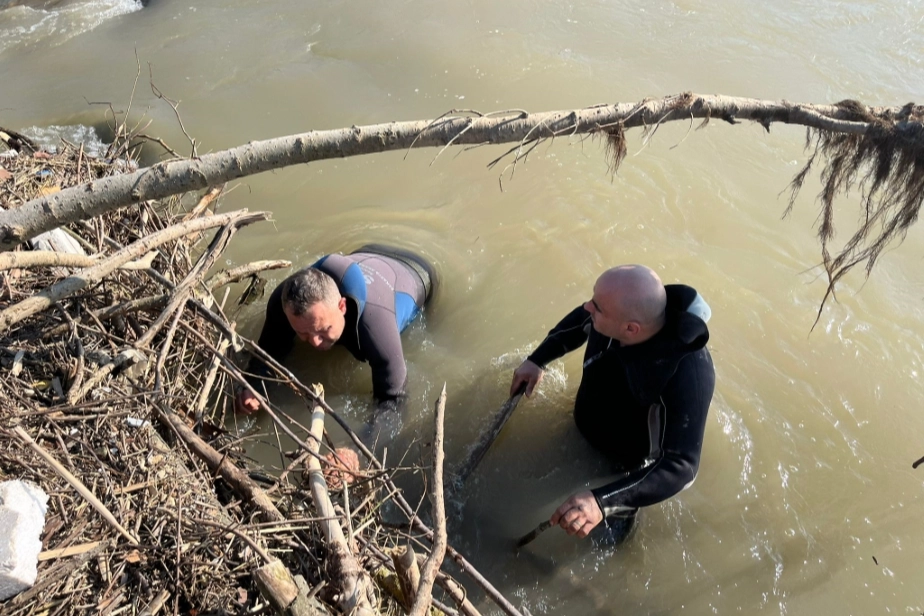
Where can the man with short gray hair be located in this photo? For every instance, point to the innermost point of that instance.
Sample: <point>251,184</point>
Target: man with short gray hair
<point>361,301</point>
<point>645,391</point>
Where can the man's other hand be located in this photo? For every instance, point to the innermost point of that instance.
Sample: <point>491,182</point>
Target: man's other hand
<point>245,403</point>
<point>528,373</point>
<point>579,515</point>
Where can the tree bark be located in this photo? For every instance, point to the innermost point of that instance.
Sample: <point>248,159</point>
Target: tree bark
<point>50,258</point>
<point>408,572</point>
<point>347,574</point>
<point>180,176</point>
<point>438,551</point>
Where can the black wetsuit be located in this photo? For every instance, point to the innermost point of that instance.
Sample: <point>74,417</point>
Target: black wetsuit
<point>386,288</point>
<point>644,406</point>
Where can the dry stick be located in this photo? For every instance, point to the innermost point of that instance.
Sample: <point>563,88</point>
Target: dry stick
<point>81,354</point>
<point>55,574</point>
<point>128,356</point>
<point>206,200</point>
<point>353,584</point>
<point>156,603</point>
<point>219,464</point>
<point>385,562</point>
<point>50,258</point>
<point>78,282</point>
<point>155,301</point>
<point>452,588</point>
<point>233,275</point>
<point>68,551</point>
<point>487,438</point>
<point>408,572</point>
<point>276,581</point>
<point>402,503</point>
<point>210,380</point>
<point>74,483</point>
<point>164,351</point>
<point>438,552</point>
<point>455,591</point>
<point>185,288</point>
<point>228,529</point>
<point>237,374</point>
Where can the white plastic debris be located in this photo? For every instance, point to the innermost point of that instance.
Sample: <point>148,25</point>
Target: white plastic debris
<point>22,518</point>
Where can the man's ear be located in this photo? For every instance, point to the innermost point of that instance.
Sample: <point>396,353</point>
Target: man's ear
<point>342,305</point>
<point>633,328</point>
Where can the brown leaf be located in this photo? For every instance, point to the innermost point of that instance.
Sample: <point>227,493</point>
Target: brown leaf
<point>4,175</point>
<point>49,190</point>
<point>133,557</point>
<point>41,155</point>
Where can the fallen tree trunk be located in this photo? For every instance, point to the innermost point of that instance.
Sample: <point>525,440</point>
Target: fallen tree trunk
<point>515,126</point>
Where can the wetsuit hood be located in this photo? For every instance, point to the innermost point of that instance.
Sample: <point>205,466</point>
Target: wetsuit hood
<point>651,364</point>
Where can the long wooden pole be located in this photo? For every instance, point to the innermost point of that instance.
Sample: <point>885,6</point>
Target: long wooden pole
<point>487,438</point>
<point>349,575</point>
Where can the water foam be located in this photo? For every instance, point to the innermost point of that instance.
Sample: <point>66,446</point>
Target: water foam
<point>49,138</point>
<point>22,27</point>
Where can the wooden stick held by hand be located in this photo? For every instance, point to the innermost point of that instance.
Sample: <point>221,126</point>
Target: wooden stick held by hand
<point>531,535</point>
<point>488,437</point>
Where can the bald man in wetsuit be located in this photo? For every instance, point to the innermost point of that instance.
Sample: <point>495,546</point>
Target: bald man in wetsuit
<point>645,391</point>
<point>361,301</point>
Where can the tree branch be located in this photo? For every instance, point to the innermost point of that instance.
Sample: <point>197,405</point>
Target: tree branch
<point>73,284</point>
<point>438,552</point>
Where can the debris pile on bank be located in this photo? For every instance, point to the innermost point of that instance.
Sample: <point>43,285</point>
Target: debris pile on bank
<point>116,380</point>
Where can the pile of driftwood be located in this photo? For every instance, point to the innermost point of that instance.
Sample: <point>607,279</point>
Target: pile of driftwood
<point>118,370</point>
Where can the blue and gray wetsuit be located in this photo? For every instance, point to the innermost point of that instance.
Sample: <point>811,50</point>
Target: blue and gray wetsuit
<point>386,288</point>
<point>644,406</point>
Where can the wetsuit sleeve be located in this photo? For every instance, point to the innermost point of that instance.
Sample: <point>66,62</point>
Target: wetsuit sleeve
<point>570,334</point>
<point>276,338</point>
<point>381,340</point>
<point>682,412</point>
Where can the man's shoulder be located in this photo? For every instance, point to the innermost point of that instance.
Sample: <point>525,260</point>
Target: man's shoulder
<point>694,367</point>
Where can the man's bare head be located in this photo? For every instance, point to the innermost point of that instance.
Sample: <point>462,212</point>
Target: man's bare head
<point>628,304</point>
<point>314,307</point>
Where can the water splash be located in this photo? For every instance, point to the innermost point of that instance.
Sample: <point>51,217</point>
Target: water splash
<point>49,138</point>
<point>23,27</point>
